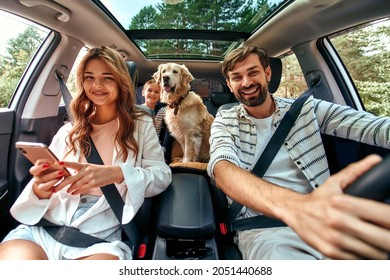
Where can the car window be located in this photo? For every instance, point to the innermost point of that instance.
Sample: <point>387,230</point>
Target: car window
<point>71,81</point>
<point>365,52</point>
<point>17,47</point>
<point>204,87</point>
<point>292,83</point>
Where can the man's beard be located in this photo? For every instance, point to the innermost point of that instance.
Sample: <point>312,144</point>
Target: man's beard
<point>255,100</point>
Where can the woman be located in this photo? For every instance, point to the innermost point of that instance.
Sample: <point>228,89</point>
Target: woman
<point>133,159</point>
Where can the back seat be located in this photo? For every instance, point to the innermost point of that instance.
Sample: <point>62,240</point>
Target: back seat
<point>217,99</point>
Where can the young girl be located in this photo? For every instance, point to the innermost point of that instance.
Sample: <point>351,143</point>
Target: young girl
<point>151,91</point>
<point>133,159</point>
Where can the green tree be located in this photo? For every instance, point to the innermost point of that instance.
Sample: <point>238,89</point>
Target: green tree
<point>228,15</point>
<point>145,19</point>
<point>293,82</point>
<point>366,54</point>
<point>12,64</point>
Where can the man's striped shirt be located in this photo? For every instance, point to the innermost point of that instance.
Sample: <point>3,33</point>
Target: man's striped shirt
<point>233,135</point>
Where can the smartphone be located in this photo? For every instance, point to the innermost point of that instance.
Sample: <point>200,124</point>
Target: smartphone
<point>34,151</point>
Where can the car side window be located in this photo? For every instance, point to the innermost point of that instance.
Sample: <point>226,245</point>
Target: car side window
<point>204,87</point>
<point>19,40</point>
<point>292,83</point>
<point>71,81</point>
<point>365,52</point>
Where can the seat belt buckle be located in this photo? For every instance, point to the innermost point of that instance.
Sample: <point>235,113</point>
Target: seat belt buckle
<point>223,228</point>
<point>141,251</point>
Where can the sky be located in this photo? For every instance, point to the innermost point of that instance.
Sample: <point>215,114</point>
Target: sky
<point>6,32</point>
<point>10,27</point>
<point>120,5</point>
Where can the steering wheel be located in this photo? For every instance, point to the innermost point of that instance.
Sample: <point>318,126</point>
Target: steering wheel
<point>374,184</point>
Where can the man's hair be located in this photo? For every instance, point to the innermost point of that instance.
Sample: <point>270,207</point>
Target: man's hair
<point>241,53</point>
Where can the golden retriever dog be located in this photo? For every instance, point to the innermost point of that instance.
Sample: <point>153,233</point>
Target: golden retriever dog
<point>186,116</point>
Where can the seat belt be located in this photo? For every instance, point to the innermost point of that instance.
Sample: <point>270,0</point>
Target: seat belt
<point>65,93</point>
<point>116,202</point>
<point>262,165</point>
<point>69,236</point>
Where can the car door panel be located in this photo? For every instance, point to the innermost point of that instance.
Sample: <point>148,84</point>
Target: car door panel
<point>6,125</point>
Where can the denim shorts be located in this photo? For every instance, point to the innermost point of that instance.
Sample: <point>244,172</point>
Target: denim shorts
<point>86,202</point>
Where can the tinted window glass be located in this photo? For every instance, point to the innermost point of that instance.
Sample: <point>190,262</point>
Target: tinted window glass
<point>293,82</point>
<point>17,47</point>
<point>206,86</point>
<point>365,52</point>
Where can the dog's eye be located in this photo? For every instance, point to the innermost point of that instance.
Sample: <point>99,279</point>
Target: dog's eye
<point>175,71</point>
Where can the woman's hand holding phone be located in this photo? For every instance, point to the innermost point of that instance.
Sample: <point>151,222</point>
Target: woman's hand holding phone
<point>52,175</point>
<point>47,169</point>
<point>46,177</point>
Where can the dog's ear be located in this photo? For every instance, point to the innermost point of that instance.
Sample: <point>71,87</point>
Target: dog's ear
<point>186,77</point>
<point>157,75</point>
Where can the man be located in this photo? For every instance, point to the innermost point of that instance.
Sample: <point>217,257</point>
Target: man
<point>322,221</point>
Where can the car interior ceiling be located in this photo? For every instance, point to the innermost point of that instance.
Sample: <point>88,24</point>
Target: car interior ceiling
<point>273,35</point>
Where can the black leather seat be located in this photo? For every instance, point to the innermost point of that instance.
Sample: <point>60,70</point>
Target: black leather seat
<point>133,71</point>
<point>185,222</point>
<point>143,220</point>
<point>218,99</point>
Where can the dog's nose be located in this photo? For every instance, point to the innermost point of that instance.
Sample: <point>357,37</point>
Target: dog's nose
<point>165,78</point>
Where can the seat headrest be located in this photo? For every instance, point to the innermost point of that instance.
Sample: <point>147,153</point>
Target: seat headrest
<point>220,98</point>
<point>276,67</point>
<point>133,71</point>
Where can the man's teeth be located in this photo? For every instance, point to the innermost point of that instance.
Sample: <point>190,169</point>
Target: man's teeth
<point>249,92</point>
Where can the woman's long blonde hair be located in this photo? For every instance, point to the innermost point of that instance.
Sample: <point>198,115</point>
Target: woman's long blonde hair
<point>83,109</point>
